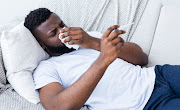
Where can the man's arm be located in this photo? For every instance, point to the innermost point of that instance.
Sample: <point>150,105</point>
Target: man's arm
<point>131,52</point>
<point>54,97</point>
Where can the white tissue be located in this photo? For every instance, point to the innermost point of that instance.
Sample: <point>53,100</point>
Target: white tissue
<point>75,46</point>
<point>125,27</point>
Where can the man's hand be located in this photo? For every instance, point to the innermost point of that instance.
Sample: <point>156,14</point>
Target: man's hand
<point>76,35</point>
<point>111,44</point>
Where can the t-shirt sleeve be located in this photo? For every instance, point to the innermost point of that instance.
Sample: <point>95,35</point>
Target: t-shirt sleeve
<point>44,74</point>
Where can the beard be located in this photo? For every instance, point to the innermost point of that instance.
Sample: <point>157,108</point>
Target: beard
<point>59,50</point>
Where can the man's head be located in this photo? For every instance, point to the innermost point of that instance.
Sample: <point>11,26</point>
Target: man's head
<point>45,26</point>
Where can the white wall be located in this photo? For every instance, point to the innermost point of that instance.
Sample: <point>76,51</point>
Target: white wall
<point>12,8</point>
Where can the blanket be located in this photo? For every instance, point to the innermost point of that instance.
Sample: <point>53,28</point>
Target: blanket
<point>98,15</point>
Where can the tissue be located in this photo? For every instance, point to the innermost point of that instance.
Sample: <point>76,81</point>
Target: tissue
<point>75,46</point>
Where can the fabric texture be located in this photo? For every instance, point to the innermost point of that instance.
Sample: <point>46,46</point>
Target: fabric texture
<point>166,94</point>
<point>8,26</point>
<point>139,12</point>
<point>12,23</point>
<point>144,32</point>
<point>97,15</point>
<point>119,92</point>
<point>21,55</point>
<point>165,47</point>
<point>2,71</point>
<point>11,100</point>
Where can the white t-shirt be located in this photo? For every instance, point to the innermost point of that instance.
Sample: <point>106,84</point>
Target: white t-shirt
<point>122,87</point>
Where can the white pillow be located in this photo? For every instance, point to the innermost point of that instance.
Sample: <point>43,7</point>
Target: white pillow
<point>21,55</point>
<point>166,44</point>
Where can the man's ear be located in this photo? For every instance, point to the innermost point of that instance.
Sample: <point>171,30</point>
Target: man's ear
<point>42,45</point>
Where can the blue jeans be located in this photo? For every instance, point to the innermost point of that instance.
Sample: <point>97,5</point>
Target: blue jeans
<point>166,93</point>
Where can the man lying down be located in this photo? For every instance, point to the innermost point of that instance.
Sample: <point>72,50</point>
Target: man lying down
<point>102,74</point>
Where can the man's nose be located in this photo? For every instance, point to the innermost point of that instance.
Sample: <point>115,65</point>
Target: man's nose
<point>59,30</point>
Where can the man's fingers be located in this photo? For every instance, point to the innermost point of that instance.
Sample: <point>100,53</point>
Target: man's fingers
<point>75,42</point>
<point>119,45</point>
<point>71,33</point>
<point>122,40</point>
<point>116,40</point>
<point>109,30</point>
<point>71,29</point>
<point>75,37</point>
<point>115,34</point>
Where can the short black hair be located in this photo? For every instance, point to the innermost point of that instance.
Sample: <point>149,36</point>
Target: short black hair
<point>36,18</point>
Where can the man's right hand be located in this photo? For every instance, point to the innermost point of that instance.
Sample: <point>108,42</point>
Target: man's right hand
<point>111,44</point>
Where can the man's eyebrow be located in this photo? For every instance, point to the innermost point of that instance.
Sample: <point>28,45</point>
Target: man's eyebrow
<point>61,23</point>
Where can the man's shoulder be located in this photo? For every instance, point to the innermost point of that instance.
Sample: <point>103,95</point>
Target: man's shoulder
<point>45,67</point>
<point>47,63</point>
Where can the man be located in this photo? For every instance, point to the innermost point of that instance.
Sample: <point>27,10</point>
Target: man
<point>95,75</point>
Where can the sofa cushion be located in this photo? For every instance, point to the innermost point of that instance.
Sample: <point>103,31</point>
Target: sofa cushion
<point>2,72</point>
<point>174,3</point>
<point>166,44</point>
<point>144,33</point>
<point>21,55</point>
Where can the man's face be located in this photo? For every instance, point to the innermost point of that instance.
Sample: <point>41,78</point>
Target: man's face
<point>47,35</point>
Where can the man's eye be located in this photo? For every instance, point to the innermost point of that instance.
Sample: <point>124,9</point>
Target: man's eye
<point>53,33</point>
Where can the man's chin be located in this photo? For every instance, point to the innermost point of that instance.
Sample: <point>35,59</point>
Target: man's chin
<point>55,51</point>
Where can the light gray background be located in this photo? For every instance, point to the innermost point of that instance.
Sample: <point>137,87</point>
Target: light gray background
<point>11,8</point>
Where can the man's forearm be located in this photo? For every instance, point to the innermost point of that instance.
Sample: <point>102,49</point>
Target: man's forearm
<point>131,52</point>
<point>95,43</point>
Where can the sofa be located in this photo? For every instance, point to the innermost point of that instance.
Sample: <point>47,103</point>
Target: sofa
<point>156,30</point>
